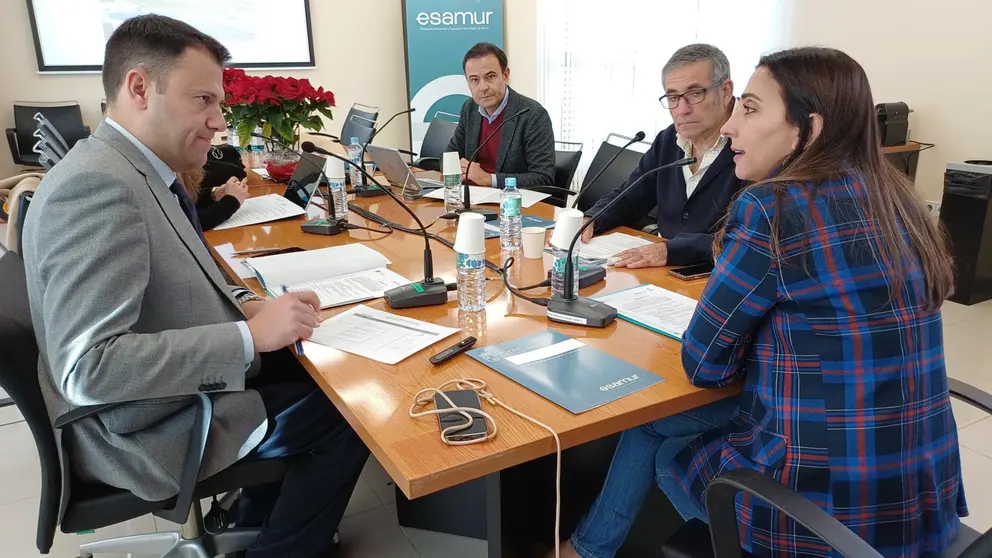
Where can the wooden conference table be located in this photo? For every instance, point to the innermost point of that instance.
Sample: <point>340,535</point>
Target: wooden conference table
<point>375,398</point>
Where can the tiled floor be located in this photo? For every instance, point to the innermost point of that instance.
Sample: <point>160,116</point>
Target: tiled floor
<point>370,528</point>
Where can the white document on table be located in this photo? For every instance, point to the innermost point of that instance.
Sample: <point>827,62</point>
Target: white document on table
<point>654,308</point>
<point>606,246</point>
<point>263,172</point>
<point>481,195</point>
<point>339,275</point>
<point>271,207</point>
<point>226,251</point>
<point>378,335</point>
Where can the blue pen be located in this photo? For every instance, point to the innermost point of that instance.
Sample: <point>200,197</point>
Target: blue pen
<point>299,344</point>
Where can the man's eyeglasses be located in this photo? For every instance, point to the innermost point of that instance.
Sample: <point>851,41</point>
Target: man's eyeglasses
<point>692,96</point>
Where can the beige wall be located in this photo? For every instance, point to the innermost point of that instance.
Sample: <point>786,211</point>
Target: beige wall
<point>384,87</point>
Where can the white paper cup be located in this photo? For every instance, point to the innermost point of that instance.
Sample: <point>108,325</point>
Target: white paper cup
<point>471,235</point>
<point>333,168</point>
<point>533,241</point>
<point>451,163</point>
<point>568,223</point>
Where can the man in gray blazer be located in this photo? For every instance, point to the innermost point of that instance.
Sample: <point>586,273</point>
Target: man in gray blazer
<point>523,148</point>
<point>129,308</point>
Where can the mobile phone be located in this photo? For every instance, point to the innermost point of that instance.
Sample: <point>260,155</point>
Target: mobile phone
<point>690,272</point>
<point>461,398</point>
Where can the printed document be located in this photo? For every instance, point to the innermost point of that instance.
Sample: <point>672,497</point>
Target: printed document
<point>378,335</point>
<point>654,308</point>
<point>271,207</point>
<point>609,245</point>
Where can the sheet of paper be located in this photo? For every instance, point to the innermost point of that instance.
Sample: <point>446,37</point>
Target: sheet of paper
<point>482,195</point>
<point>354,287</point>
<point>262,172</point>
<point>378,335</point>
<point>607,246</point>
<point>311,266</point>
<point>653,307</point>
<point>271,207</point>
<point>226,251</point>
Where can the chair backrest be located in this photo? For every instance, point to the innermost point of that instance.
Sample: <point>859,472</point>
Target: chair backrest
<point>614,176</point>
<point>17,207</point>
<point>19,378</point>
<point>566,162</point>
<point>365,111</point>
<point>67,118</point>
<point>357,127</point>
<point>438,137</point>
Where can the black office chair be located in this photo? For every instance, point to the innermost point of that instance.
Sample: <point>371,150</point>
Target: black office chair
<point>436,141</point>
<point>356,119</point>
<point>365,111</point>
<point>23,203</point>
<point>76,506</point>
<point>66,118</point>
<point>697,540</point>
<point>614,176</point>
<point>567,156</point>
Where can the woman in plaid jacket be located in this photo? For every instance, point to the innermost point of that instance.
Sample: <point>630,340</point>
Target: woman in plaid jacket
<point>825,304</point>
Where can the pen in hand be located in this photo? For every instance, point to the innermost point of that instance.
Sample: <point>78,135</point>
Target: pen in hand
<point>299,342</point>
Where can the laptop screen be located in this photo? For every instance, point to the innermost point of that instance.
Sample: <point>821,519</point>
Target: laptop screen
<point>304,181</point>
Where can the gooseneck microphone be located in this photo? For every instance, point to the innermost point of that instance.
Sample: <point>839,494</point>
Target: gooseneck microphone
<point>360,189</point>
<point>489,214</point>
<point>573,309</point>
<point>429,292</point>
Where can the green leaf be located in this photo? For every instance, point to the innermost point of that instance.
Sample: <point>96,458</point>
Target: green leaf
<point>276,119</point>
<point>267,130</point>
<point>288,131</point>
<point>245,128</point>
<point>326,111</point>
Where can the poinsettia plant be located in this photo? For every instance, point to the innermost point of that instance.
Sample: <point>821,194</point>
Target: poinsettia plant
<point>279,105</point>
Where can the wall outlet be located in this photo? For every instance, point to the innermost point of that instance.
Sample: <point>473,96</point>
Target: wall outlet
<point>934,209</point>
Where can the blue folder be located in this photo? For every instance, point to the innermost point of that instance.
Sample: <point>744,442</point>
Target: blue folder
<point>577,379</point>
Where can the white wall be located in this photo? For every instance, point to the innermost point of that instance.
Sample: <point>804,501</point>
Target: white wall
<point>381,43</point>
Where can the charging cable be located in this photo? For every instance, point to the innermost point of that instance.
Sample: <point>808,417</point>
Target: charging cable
<point>506,281</point>
<point>426,396</point>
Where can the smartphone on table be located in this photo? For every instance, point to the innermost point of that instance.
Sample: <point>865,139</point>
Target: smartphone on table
<point>691,272</point>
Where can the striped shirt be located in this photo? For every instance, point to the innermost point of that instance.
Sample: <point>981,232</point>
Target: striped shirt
<point>692,179</point>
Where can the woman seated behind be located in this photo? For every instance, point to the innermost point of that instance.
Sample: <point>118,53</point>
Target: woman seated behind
<point>214,205</point>
<point>825,304</point>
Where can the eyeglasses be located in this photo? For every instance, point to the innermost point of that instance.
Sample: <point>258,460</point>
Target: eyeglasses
<point>692,96</point>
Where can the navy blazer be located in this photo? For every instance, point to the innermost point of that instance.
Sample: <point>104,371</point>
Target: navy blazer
<point>686,224</point>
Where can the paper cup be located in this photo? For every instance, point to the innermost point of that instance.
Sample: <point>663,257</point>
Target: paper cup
<point>451,163</point>
<point>471,235</point>
<point>533,241</point>
<point>568,223</point>
<point>334,168</point>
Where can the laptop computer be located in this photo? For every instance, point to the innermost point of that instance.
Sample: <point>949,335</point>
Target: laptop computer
<point>305,179</point>
<point>398,173</point>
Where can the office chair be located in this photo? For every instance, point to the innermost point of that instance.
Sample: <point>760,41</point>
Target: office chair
<point>66,118</point>
<point>7,187</point>
<point>436,141</point>
<point>613,177</point>
<point>46,132</point>
<point>358,109</point>
<point>720,540</point>
<point>73,505</point>
<point>567,156</point>
<point>356,118</point>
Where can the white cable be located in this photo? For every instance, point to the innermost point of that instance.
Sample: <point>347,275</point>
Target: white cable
<point>426,396</point>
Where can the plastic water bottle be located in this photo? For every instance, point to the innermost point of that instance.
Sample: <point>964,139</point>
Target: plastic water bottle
<point>451,167</point>
<point>558,258</point>
<point>471,282</point>
<point>257,143</point>
<point>334,170</point>
<point>355,156</point>
<point>511,202</point>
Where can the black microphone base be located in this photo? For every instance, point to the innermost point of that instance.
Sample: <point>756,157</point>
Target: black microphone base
<point>488,214</point>
<point>581,311</point>
<point>431,292</point>
<point>588,275</point>
<point>363,191</point>
<point>323,225</point>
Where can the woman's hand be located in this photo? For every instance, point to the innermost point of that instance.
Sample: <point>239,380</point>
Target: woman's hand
<point>233,187</point>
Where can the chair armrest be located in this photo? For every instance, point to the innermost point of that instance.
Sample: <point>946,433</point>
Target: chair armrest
<point>722,514</point>
<point>980,548</point>
<point>12,143</point>
<point>970,394</point>
<point>651,229</point>
<point>194,459</point>
<point>81,413</point>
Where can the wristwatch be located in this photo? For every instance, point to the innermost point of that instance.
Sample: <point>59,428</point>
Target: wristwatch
<point>247,296</point>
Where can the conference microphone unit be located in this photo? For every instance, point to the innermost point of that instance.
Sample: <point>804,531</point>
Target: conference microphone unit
<point>570,308</point>
<point>327,226</point>
<point>488,214</point>
<point>639,136</point>
<point>365,190</point>
<point>432,290</point>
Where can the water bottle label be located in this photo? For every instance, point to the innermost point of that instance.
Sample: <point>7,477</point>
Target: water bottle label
<point>510,207</point>
<point>452,180</point>
<point>470,261</point>
<point>558,264</point>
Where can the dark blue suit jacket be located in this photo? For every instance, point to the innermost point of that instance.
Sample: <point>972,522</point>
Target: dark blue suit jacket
<point>687,224</point>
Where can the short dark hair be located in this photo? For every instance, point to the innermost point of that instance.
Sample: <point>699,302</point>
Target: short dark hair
<point>482,50</point>
<point>152,42</point>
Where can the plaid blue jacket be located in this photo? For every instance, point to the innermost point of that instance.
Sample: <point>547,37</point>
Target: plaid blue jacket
<point>845,393</point>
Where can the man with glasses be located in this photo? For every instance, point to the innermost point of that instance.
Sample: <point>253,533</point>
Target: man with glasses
<point>690,200</point>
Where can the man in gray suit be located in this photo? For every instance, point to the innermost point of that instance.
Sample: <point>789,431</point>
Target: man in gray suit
<point>129,308</point>
<point>524,148</point>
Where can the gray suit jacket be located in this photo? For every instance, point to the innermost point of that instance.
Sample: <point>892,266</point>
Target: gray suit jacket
<point>526,146</point>
<point>128,306</point>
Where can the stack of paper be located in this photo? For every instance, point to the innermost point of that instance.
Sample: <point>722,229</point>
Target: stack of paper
<point>339,275</point>
<point>378,335</point>
<point>484,195</point>
<point>262,209</point>
<point>654,308</point>
<point>606,246</point>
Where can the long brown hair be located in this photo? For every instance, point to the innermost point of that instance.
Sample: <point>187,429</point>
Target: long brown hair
<point>830,83</point>
<point>192,180</point>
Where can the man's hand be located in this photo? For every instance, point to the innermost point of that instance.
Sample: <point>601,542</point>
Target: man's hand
<point>252,308</point>
<point>233,187</point>
<point>281,322</point>
<point>587,234</point>
<point>652,255</point>
<point>476,176</point>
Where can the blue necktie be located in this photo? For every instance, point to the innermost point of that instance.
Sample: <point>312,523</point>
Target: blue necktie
<point>186,204</point>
